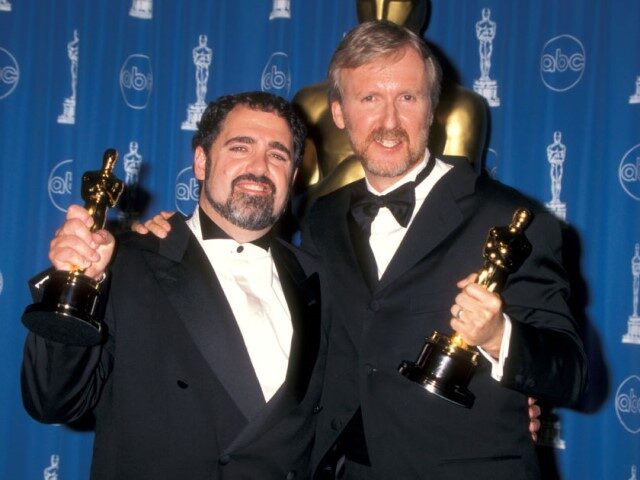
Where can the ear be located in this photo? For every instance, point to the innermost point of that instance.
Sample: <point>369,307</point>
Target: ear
<point>336,113</point>
<point>199,163</point>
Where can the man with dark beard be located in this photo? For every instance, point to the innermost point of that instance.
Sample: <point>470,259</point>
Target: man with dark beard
<point>212,332</point>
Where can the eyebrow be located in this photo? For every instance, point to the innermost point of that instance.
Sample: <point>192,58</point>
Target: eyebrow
<point>280,146</point>
<point>250,140</point>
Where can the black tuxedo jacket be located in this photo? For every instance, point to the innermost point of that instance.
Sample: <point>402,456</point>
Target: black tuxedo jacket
<point>172,389</point>
<point>410,433</point>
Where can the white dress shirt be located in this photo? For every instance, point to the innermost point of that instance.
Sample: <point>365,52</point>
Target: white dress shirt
<point>387,234</point>
<point>250,282</point>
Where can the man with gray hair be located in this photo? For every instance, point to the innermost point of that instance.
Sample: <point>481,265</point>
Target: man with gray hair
<point>396,251</point>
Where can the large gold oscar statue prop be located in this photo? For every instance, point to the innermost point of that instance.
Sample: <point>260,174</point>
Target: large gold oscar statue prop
<point>71,309</point>
<point>446,365</point>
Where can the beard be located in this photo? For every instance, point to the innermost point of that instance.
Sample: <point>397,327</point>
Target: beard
<point>250,212</point>
<point>381,167</point>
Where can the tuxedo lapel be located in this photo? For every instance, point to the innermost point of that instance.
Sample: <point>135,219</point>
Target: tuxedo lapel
<point>339,249</point>
<point>194,290</point>
<point>438,217</point>
<point>303,298</point>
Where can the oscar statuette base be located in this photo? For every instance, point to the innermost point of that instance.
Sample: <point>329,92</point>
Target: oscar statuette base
<point>444,369</point>
<point>69,311</point>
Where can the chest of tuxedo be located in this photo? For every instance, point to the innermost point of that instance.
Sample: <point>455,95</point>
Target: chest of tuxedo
<point>162,387</point>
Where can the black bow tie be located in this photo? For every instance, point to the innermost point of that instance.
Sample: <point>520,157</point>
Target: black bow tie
<point>400,202</point>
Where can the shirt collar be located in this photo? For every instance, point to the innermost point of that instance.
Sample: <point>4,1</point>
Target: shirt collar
<point>211,231</point>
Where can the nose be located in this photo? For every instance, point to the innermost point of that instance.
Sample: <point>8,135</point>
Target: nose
<point>390,119</point>
<point>259,162</point>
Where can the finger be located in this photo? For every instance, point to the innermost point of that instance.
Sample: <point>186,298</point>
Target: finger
<point>534,412</point>
<point>79,213</point>
<point>467,302</point>
<point>103,237</point>
<point>94,272</point>
<point>484,300</point>
<point>68,258</point>
<point>162,220</point>
<point>456,311</point>
<point>534,427</point>
<point>139,228</point>
<point>73,242</point>
<point>157,230</point>
<point>477,291</point>
<point>76,227</point>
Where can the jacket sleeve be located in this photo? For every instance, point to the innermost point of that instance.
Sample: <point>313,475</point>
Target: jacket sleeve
<point>60,383</point>
<point>546,357</point>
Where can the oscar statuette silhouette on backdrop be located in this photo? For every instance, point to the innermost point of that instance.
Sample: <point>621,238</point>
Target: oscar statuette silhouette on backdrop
<point>446,364</point>
<point>459,126</point>
<point>71,309</point>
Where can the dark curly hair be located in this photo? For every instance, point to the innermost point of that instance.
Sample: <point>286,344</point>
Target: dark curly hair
<point>214,116</point>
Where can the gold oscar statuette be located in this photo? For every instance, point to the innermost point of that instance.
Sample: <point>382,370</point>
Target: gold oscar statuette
<point>71,308</point>
<point>446,364</point>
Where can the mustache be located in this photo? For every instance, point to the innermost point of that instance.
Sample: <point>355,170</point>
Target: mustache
<point>392,134</point>
<point>254,178</point>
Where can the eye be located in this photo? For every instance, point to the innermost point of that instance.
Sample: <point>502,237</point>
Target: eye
<point>279,156</point>
<point>407,97</point>
<point>367,98</point>
<point>238,148</point>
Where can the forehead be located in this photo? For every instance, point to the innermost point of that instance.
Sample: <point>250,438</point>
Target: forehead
<point>246,121</point>
<point>405,69</point>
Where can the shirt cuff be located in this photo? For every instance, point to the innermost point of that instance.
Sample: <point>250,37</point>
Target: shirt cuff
<point>497,366</point>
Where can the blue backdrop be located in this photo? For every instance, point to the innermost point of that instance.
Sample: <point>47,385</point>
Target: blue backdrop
<point>562,79</point>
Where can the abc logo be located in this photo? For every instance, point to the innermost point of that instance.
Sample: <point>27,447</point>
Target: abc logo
<point>629,172</point>
<point>492,162</point>
<point>136,81</point>
<point>562,63</point>
<point>187,191</point>
<point>628,404</point>
<point>275,76</point>
<point>9,73</point>
<point>59,185</point>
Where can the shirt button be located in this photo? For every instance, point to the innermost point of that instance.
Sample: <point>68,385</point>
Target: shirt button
<point>370,369</point>
<point>224,459</point>
<point>317,408</point>
<point>336,424</point>
<point>240,249</point>
<point>291,475</point>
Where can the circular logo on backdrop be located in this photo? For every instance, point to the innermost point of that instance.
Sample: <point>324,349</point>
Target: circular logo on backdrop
<point>628,404</point>
<point>491,163</point>
<point>276,77</point>
<point>629,172</point>
<point>562,63</point>
<point>136,81</point>
<point>9,73</point>
<point>59,185</point>
<point>187,191</point>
